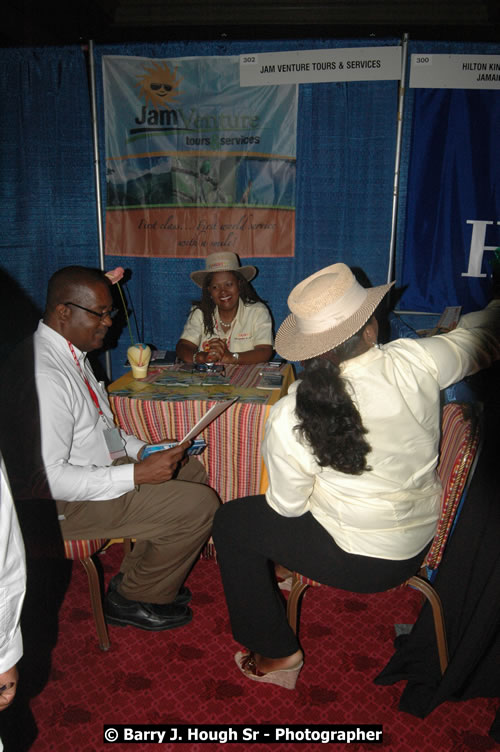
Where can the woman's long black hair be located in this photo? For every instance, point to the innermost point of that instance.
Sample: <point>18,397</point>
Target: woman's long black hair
<point>328,418</point>
<point>207,306</point>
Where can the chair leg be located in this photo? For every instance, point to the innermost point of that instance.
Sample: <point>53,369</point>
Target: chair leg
<point>96,601</point>
<point>292,605</point>
<point>127,546</point>
<point>426,588</point>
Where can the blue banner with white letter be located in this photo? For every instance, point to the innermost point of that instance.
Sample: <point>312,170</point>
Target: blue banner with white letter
<point>453,203</point>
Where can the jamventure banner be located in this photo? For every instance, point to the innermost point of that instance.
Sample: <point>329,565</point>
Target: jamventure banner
<point>195,163</point>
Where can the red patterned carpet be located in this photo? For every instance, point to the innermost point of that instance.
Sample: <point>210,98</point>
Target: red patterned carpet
<point>188,676</point>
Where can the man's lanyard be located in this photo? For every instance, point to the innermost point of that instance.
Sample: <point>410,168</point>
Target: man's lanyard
<point>112,437</point>
<point>87,383</point>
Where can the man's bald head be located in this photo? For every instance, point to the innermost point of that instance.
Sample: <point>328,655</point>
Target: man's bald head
<point>69,282</point>
<point>79,306</point>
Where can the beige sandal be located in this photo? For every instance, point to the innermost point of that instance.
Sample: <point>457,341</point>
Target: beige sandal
<point>285,677</point>
<point>285,584</point>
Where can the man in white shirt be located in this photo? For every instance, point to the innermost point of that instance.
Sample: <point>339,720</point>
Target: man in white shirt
<point>12,590</point>
<point>95,472</point>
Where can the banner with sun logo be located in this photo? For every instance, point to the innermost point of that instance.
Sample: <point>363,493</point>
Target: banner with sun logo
<point>195,163</point>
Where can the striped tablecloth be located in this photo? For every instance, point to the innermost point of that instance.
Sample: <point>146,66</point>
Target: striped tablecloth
<point>232,458</point>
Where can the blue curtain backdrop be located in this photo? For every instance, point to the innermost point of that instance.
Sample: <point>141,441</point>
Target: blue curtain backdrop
<point>345,164</point>
<point>453,176</point>
<point>46,165</point>
<point>346,146</point>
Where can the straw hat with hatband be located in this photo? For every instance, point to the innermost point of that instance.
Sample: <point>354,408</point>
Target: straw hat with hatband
<point>224,261</point>
<point>327,308</point>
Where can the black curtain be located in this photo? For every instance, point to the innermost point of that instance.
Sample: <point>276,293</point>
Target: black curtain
<point>468,583</point>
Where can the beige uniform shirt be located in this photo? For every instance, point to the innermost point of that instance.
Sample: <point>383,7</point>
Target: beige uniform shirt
<point>250,327</point>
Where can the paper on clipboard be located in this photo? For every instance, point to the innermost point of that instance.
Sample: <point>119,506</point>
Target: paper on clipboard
<point>209,416</point>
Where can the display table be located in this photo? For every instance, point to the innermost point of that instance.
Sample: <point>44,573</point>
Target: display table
<point>158,408</point>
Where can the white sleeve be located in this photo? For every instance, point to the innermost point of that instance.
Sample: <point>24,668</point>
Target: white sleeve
<point>133,445</point>
<point>290,466</point>
<point>488,317</point>
<point>12,578</point>
<point>194,328</point>
<point>473,345</point>
<point>67,481</point>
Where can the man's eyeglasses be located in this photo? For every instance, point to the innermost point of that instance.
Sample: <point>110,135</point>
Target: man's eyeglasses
<point>112,313</point>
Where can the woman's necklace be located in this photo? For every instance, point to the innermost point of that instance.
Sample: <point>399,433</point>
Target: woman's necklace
<point>226,329</point>
<point>227,325</point>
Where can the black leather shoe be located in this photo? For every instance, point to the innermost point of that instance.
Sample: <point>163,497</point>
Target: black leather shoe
<point>182,598</point>
<point>122,612</point>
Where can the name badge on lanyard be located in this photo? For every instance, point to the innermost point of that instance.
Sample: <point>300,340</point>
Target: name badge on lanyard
<point>114,442</point>
<point>112,436</point>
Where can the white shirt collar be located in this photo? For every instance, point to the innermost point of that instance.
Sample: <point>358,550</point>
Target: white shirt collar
<point>60,342</point>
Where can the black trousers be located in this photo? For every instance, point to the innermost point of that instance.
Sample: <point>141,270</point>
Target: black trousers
<point>249,537</point>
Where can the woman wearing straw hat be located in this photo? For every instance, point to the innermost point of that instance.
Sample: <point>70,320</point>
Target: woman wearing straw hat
<point>351,454</point>
<point>230,324</point>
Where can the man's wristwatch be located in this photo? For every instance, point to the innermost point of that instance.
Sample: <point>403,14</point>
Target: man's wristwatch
<point>236,356</point>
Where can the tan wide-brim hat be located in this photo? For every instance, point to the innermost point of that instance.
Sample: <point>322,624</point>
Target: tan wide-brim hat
<point>327,308</point>
<point>224,261</point>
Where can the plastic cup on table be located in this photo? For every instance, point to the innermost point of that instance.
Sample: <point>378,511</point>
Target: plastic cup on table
<point>139,356</point>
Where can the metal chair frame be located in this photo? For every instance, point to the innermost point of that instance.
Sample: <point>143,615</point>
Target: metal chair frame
<point>72,549</point>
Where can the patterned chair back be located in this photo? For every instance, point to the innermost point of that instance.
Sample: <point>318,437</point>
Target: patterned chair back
<point>82,549</point>
<point>460,431</point>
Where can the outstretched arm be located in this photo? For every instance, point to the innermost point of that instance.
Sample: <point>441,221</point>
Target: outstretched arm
<point>259,354</point>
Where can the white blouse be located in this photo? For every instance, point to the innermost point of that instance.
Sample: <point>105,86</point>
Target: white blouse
<point>390,511</point>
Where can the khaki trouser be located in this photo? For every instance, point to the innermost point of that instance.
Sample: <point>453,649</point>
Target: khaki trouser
<point>170,523</point>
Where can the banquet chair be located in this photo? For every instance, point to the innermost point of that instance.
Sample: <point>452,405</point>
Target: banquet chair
<point>458,455</point>
<point>84,551</point>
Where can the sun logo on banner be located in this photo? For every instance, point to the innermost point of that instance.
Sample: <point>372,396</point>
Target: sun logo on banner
<point>159,85</point>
